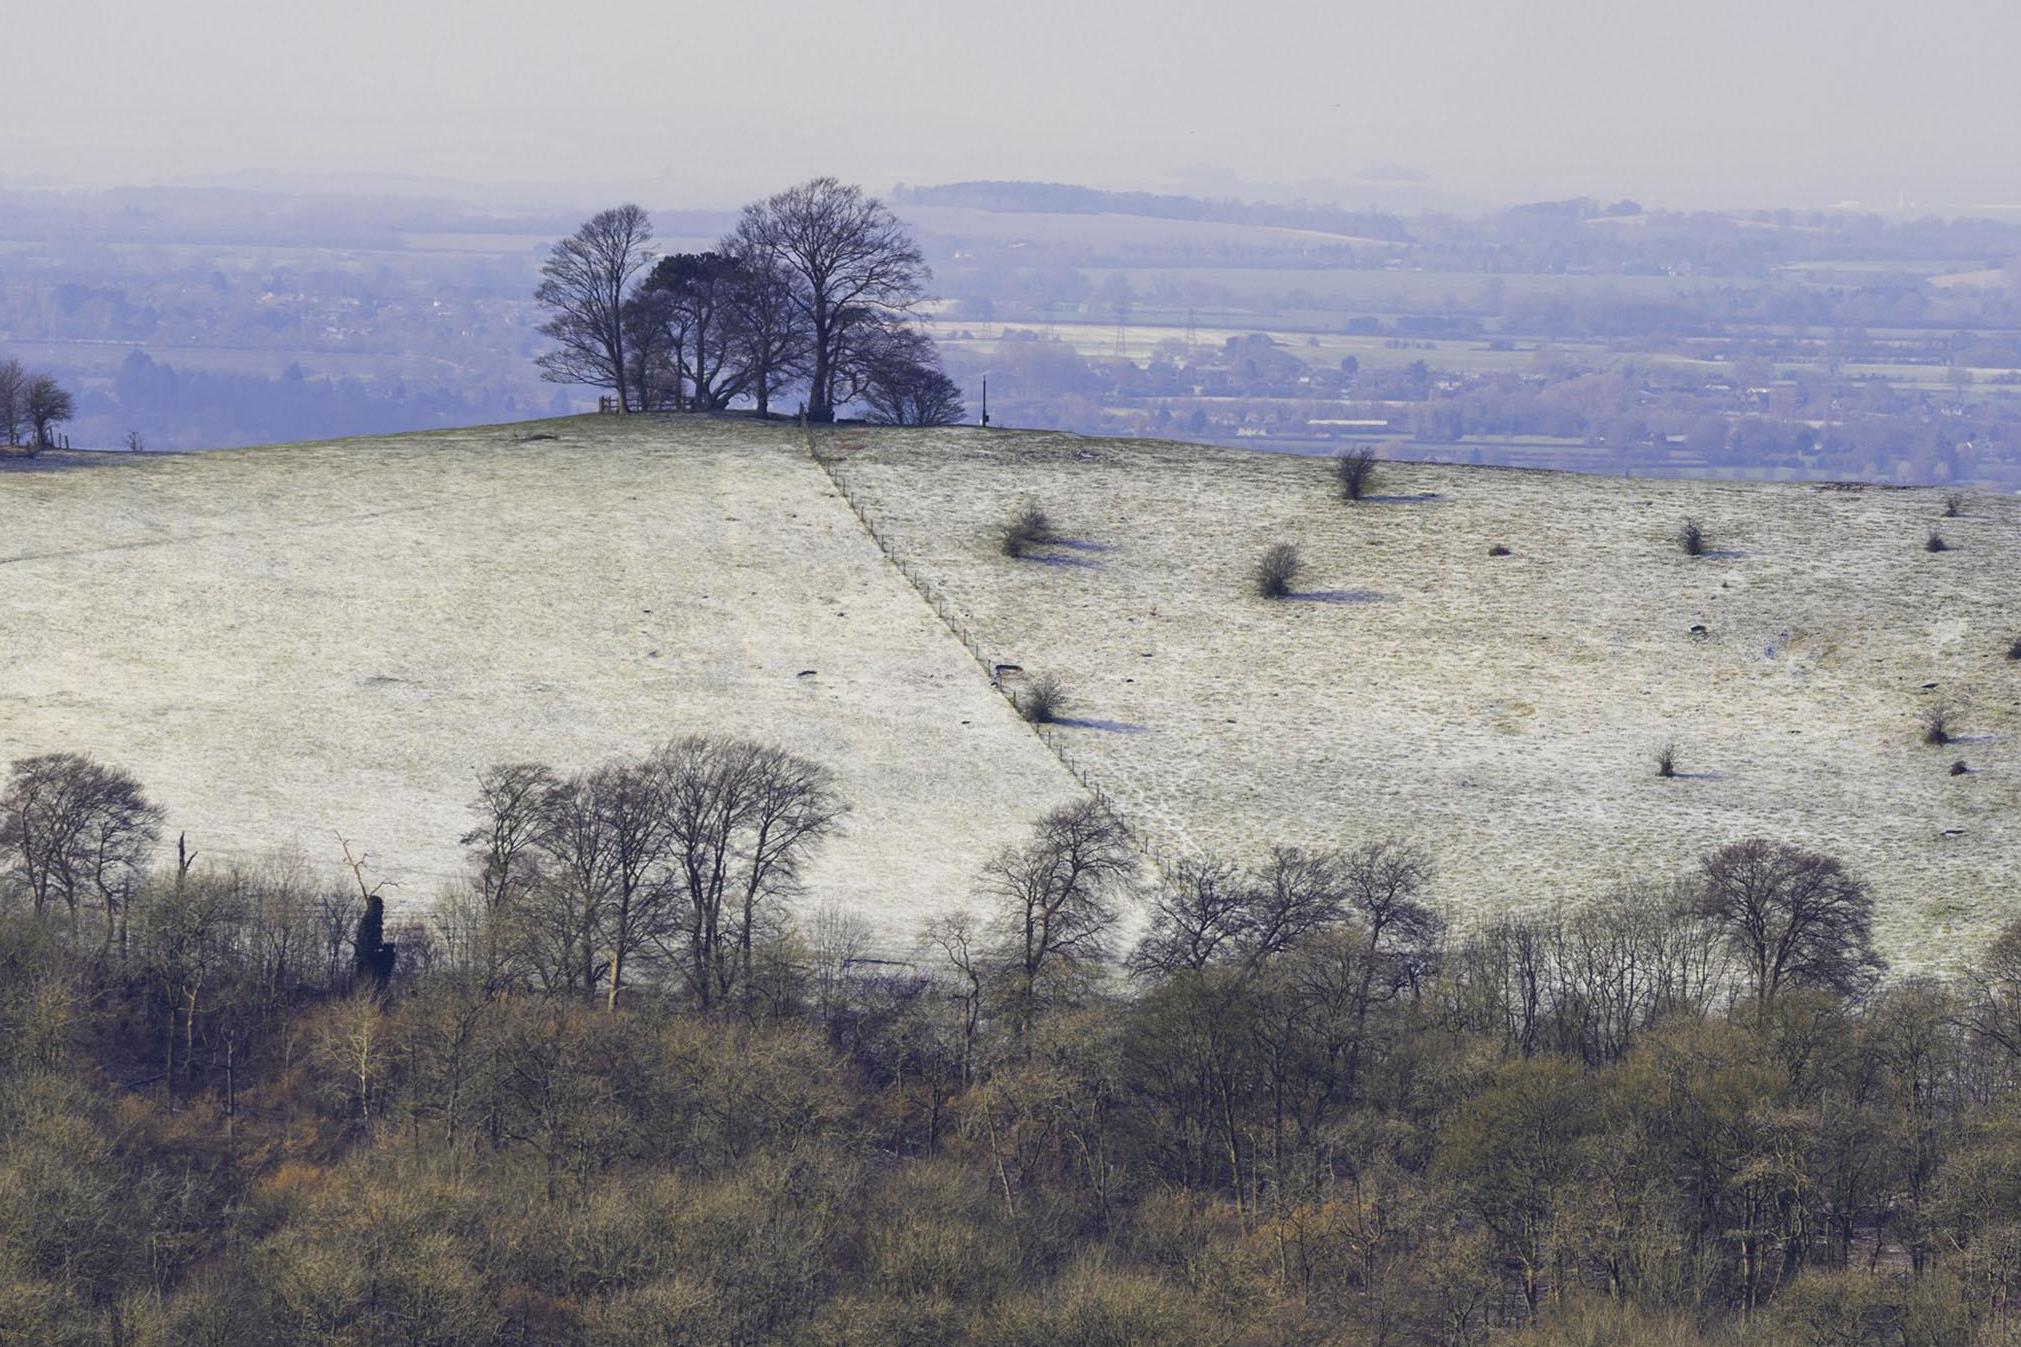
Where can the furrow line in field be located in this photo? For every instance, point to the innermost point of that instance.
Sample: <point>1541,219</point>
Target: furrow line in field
<point>946,612</point>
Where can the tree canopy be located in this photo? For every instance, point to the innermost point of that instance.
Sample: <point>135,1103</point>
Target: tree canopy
<point>814,286</point>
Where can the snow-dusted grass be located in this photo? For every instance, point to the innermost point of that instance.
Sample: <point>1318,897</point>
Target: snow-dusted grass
<point>1503,710</point>
<point>297,643</point>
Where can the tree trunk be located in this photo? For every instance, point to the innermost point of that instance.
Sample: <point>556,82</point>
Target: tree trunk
<point>821,392</point>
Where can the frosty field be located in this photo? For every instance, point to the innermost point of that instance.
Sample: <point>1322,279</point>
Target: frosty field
<point>294,644</point>
<point>1502,711</point>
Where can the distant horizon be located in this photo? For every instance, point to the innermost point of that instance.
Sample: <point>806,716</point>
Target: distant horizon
<point>1399,191</point>
<point>1722,105</point>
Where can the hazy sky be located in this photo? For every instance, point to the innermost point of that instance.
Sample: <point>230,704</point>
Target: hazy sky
<point>1676,102</point>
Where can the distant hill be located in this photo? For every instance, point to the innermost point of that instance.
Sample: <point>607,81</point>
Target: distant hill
<point>1068,199</point>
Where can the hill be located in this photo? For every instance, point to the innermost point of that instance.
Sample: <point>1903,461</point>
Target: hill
<point>1502,710</point>
<point>295,643</point>
<point>292,644</point>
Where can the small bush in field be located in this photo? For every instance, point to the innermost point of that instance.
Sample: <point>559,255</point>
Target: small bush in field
<point>1024,530</point>
<point>1277,571</point>
<point>1666,761</point>
<point>1042,700</point>
<point>1499,551</point>
<point>1355,471</point>
<point>1937,726</point>
<point>1692,538</point>
<point>1954,504</point>
<point>1935,542</point>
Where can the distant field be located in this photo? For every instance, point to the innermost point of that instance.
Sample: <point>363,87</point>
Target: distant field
<point>99,360</point>
<point>1465,355</point>
<point>1459,355</point>
<point>1401,289</point>
<point>1504,711</point>
<point>295,643</point>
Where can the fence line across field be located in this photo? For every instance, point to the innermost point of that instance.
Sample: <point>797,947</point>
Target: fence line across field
<point>943,609</point>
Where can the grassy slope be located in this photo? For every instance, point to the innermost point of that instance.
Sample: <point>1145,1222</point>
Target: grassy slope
<point>292,643</point>
<point>1505,711</point>
<point>288,644</point>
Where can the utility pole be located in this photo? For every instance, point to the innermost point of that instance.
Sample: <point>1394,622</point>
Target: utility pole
<point>985,400</point>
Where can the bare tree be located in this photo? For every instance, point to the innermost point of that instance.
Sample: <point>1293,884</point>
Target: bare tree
<point>1385,888</point>
<point>505,846</point>
<point>903,384</point>
<point>1292,894</point>
<point>959,937</point>
<point>46,404</point>
<point>1198,918</point>
<point>571,905</point>
<point>13,401</point>
<point>684,855</point>
<point>1993,1000</point>
<point>837,941</point>
<point>770,329</point>
<point>1056,898</point>
<point>1793,919</point>
<point>633,799</point>
<point>506,851</point>
<point>696,297</point>
<point>121,829</point>
<point>854,268</point>
<point>584,284</point>
<point>655,349</point>
<point>335,918</point>
<point>1213,913</point>
<point>191,928</point>
<point>72,828</point>
<point>743,819</point>
<point>280,922</point>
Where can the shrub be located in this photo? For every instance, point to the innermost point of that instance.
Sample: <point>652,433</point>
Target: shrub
<point>1042,699</point>
<point>1935,542</point>
<point>1355,469</point>
<point>1026,528</point>
<point>1666,761</point>
<point>1954,504</point>
<point>1498,551</point>
<point>1937,725</point>
<point>2014,650</point>
<point>1692,538</point>
<point>1959,768</point>
<point>1277,570</point>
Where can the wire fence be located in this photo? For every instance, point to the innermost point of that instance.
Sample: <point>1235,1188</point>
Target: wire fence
<point>952,617</point>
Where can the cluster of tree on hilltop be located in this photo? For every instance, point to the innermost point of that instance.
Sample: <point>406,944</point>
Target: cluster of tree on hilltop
<point>813,289</point>
<point>238,1105</point>
<point>32,405</point>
